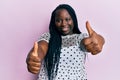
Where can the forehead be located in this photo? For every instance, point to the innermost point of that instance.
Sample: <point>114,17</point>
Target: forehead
<point>61,12</point>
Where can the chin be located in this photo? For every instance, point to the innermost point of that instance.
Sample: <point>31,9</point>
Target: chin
<point>65,33</point>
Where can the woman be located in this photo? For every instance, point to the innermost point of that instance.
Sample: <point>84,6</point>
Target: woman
<point>60,53</point>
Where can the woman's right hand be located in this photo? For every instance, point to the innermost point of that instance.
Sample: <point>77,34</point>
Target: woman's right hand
<point>33,60</point>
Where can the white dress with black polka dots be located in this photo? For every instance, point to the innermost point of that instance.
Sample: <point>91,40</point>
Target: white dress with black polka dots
<point>72,58</point>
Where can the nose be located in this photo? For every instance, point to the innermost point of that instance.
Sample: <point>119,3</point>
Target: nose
<point>64,23</point>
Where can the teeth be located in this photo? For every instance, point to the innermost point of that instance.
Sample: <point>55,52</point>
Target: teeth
<point>65,29</point>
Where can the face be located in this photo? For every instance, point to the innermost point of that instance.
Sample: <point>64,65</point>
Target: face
<point>64,22</point>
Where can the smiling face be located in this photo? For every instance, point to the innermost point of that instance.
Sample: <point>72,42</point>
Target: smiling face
<point>64,22</point>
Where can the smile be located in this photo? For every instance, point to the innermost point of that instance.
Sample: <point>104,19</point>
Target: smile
<point>65,29</point>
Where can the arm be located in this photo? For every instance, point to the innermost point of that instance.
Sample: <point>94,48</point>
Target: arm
<point>35,56</point>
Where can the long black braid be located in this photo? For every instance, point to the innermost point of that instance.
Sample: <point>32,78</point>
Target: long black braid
<point>53,55</point>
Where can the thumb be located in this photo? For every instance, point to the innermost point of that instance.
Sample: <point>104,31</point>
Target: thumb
<point>89,29</point>
<point>35,49</point>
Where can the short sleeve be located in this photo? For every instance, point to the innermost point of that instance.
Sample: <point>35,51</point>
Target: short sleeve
<point>82,36</point>
<point>45,37</point>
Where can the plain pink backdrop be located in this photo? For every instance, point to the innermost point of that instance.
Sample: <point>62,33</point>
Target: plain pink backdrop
<point>23,21</point>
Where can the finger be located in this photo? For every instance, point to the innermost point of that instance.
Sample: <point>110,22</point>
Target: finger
<point>92,45</point>
<point>97,48</point>
<point>95,51</point>
<point>89,47</point>
<point>34,64</point>
<point>37,59</point>
<point>34,70</point>
<point>35,49</point>
<point>93,48</point>
<point>89,29</point>
<point>34,58</point>
<point>87,41</point>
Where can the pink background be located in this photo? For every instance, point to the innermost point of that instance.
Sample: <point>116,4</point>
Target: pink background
<point>23,21</point>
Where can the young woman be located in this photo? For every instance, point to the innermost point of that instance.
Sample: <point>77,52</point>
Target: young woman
<point>60,53</point>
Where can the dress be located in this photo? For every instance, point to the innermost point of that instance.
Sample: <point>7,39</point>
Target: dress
<point>72,58</point>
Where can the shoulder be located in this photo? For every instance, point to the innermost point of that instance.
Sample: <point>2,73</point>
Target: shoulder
<point>45,36</point>
<point>82,35</point>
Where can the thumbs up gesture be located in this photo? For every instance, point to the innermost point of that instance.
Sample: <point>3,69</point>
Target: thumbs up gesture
<point>35,49</point>
<point>33,60</point>
<point>36,55</point>
<point>94,42</point>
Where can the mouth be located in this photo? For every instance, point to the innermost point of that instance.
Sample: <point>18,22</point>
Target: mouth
<point>65,29</point>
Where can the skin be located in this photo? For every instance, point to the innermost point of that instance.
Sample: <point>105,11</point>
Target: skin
<point>94,43</point>
<point>64,25</point>
<point>36,55</point>
<point>64,22</point>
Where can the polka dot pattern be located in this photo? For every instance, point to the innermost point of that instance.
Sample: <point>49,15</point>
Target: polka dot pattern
<point>72,58</point>
<point>45,37</point>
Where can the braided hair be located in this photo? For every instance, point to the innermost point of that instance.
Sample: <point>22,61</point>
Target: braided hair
<point>54,48</point>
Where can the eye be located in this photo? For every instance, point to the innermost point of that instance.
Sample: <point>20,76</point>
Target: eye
<point>58,20</point>
<point>68,19</point>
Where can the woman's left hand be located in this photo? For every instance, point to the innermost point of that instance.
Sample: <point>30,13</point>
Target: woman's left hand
<point>94,43</point>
